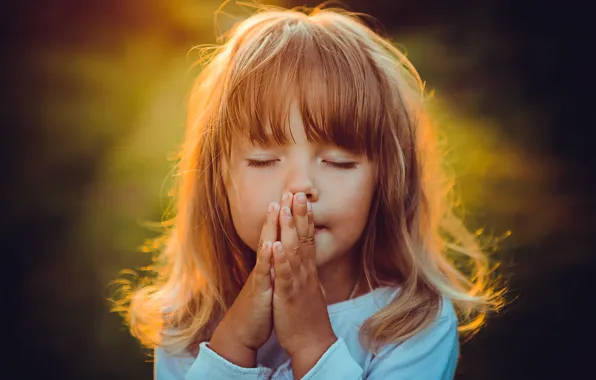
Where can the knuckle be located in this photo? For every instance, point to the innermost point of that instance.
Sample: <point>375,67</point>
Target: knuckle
<point>307,240</point>
<point>286,274</point>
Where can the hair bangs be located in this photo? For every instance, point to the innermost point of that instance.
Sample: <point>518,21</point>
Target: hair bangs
<point>334,83</point>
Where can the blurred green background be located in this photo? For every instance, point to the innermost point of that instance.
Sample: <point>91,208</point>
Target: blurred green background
<point>93,98</point>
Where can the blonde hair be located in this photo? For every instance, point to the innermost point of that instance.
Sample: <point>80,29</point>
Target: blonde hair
<point>355,89</point>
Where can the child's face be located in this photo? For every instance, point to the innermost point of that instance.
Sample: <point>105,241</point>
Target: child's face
<point>340,197</point>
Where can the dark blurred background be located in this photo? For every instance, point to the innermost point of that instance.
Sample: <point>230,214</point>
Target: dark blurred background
<point>93,105</point>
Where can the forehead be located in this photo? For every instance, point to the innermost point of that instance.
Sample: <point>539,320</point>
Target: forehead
<point>283,130</point>
<point>284,134</point>
<point>295,128</point>
<point>341,93</point>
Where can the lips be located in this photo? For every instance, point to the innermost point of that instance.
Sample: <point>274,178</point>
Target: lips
<point>320,228</point>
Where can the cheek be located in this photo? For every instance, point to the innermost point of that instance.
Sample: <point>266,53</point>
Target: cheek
<point>355,192</point>
<point>353,202</point>
<point>248,206</point>
<point>356,210</point>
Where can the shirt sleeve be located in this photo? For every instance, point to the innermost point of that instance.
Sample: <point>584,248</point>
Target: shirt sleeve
<point>207,365</point>
<point>432,354</point>
<point>335,364</point>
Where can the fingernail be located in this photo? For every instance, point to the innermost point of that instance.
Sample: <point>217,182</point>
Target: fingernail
<point>308,207</point>
<point>271,207</point>
<point>278,247</point>
<point>286,197</point>
<point>301,198</point>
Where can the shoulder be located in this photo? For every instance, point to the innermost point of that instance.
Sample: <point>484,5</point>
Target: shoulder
<point>440,337</point>
<point>443,328</point>
<point>446,313</point>
<point>431,353</point>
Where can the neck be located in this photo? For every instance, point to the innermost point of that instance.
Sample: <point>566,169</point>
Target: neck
<point>338,278</point>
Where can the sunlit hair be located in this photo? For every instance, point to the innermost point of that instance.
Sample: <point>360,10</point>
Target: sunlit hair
<point>356,90</point>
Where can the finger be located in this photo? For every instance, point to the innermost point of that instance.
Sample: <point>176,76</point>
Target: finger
<point>272,264</point>
<point>289,236</point>
<point>299,211</point>
<point>284,278</point>
<point>311,252</point>
<point>269,230</point>
<point>262,269</point>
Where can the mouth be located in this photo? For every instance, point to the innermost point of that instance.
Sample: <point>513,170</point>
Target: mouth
<point>320,228</point>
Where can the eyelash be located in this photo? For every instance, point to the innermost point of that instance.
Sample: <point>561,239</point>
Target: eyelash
<point>337,165</point>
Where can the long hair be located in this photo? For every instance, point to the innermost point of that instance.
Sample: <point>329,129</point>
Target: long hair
<point>354,89</point>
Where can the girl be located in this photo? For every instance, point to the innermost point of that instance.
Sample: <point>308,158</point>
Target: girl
<point>313,237</point>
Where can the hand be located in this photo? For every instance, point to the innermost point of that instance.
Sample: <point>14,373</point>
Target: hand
<point>300,314</point>
<point>249,322</point>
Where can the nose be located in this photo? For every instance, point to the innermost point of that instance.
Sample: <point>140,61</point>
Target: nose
<point>300,179</point>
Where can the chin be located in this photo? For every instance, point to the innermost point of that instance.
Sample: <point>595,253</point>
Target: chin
<point>325,248</point>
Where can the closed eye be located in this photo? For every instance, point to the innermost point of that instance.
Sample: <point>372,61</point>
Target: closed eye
<point>260,164</point>
<point>267,163</point>
<point>341,165</point>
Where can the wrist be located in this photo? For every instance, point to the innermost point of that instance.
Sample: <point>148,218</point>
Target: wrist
<point>305,359</point>
<point>228,347</point>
